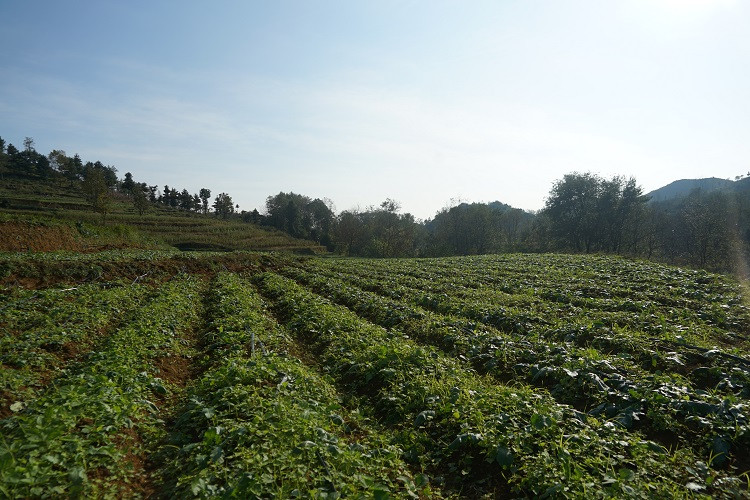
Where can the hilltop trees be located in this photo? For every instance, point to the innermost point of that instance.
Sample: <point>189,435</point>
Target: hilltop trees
<point>301,217</point>
<point>204,195</point>
<point>589,214</point>
<point>140,198</point>
<point>70,168</point>
<point>128,184</point>
<point>583,213</point>
<point>477,228</point>
<point>108,173</point>
<point>3,158</point>
<point>185,200</point>
<point>97,192</point>
<point>377,232</point>
<point>223,205</point>
<point>98,183</point>
<point>27,162</point>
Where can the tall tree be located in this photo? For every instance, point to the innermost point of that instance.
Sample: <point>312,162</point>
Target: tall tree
<point>301,217</point>
<point>223,205</point>
<point>588,213</point>
<point>97,192</point>
<point>4,159</point>
<point>348,232</point>
<point>319,218</point>
<point>59,161</point>
<point>205,194</point>
<point>466,229</point>
<point>140,198</point>
<point>128,184</point>
<point>76,170</point>
<point>572,207</point>
<point>186,200</point>
<point>392,234</point>
<point>108,172</point>
<point>165,195</point>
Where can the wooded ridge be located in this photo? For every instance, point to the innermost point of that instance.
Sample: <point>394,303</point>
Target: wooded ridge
<point>703,223</point>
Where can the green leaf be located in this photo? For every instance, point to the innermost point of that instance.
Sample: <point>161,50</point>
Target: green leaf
<point>217,455</point>
<point>77,475</point>
<point>503,456</point>
<point>381,493</point>
<point>423,418</point>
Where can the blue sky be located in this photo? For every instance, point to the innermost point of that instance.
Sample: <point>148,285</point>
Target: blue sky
<point>423,102</point>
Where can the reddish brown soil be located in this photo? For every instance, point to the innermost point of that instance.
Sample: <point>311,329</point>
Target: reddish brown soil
<point>21,237</point>
<point>128,439</point>
<point>35,274</point>
<point>174,369</point>
<point>6,399</point>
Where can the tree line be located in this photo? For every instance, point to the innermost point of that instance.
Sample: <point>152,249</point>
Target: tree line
<point>583,213</point>
<point>100,182</point>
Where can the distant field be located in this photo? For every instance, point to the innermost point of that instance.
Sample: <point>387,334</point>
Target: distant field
<point>28,205</point>
<point>255,375</point>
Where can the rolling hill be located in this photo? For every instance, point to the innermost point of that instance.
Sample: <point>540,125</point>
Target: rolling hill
<point>684,187</point>
<point>45,215</point>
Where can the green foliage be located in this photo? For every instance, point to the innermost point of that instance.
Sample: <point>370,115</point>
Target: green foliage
<point>495,376</point>
<point>223,205</point>
<point>532,344</point>
<point>259,423</point>
<point>478,228</point>
<point>75,439</point>
<point>301,217</point>
<point>97,191</point>
<point>378,232</point>
<point>590,214</point>
<point>551,445</point>
<point>43,331</point>
<point>157,227</point>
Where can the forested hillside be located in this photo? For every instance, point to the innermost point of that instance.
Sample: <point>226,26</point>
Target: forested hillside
<point>684,187</point>
<point>56,202</point>
<point>707,227</point>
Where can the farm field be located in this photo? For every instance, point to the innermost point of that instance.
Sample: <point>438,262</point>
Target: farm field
<point>167,374</point>
<point>54,215</point>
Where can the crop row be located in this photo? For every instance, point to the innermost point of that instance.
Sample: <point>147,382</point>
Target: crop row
<point>569,277</point>
<point>86,435</point>
<point>259,423</point>
<point>43,333</point>
<point>609,386</point>
<point>525,301</point>
<point>708,368</point>
<point>606,284</point>
<point>621,334</point>
<point>474,434</point>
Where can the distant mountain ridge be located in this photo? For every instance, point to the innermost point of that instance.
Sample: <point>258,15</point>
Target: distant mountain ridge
<point>684,187</point>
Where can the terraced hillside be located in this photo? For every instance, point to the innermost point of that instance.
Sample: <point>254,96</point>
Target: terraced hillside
<point>254,375</point>
<point>53,215</point>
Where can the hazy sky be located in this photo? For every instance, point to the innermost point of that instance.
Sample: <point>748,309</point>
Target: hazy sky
<point>419,101</point>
